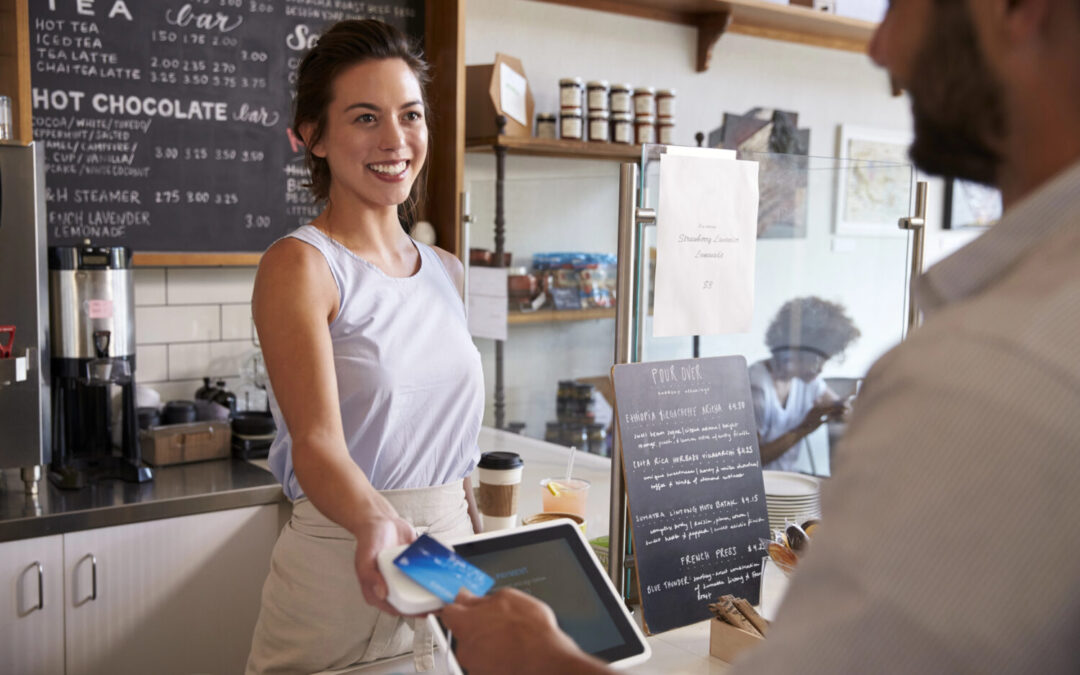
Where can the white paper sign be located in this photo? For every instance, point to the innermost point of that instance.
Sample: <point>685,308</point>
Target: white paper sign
<point>487,302</point>
<point>512,94</point>
<point>706,241</point>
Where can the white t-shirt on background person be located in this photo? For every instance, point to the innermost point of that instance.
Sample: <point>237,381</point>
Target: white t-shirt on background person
<point>774,419</point>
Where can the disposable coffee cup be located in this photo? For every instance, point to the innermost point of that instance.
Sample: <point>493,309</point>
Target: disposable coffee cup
<point>497,497</point>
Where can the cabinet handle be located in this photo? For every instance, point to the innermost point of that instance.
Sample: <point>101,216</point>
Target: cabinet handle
<point>40,584</point>
<point>93,577</point>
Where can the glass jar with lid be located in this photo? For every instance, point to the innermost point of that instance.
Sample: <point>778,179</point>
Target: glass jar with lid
<point>597,95</point>
<point>571,92</point>
<point>586,408</point>
<point>566,400</point>
<point>622,128</point>
<point>665,131</point>
<point>621,98</point>
<point>553,432</point>
<point>599,126</point>
<point>597,435</point>
<point>571,124</point>
<point>575,435</point>
<point>547,125</point>
<point>665,103</point>
<point>644,129</point>
<point>644,102</point>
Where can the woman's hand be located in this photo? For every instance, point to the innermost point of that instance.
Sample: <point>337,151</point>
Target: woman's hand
<point>379,532</point>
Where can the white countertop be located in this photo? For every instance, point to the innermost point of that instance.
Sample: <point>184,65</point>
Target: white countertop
<point>681,651</point>
<point>547,460</point>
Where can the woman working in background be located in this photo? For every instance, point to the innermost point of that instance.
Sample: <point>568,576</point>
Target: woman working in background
<point>377,386</point>
<point>791,399</point>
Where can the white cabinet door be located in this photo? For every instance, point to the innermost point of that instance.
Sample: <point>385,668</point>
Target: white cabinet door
<point>178,595</point>
<point>32,606</point>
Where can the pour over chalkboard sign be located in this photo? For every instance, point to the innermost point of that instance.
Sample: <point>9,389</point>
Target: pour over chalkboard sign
<point>166,122</point>
<point>693,485</point>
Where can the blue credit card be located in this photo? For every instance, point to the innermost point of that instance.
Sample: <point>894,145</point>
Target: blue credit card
<point>440,570</point>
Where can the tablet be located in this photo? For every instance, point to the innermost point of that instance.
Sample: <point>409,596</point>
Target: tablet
<point>552,562</point>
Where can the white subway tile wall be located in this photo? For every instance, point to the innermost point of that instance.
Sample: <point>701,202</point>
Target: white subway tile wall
<point>191,323</point>
<point>189,361</point>
<point>149,286</point>
<point>236,322</point>
<point>198,285</point>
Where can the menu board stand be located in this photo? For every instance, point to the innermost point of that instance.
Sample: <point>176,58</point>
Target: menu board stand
<point>695,493</point>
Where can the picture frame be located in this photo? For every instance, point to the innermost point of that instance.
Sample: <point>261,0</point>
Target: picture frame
<point>874,180</point>
<point>968,204</point>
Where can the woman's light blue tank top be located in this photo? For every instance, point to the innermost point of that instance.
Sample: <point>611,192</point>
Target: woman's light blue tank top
<point>409,379</point>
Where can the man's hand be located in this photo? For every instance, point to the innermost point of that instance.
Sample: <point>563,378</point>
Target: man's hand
<point>511,632</point>
<point>376,534</point>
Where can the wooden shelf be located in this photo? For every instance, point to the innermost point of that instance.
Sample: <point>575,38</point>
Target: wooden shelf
<point>713,18</point>
<point>555,147</point>
<point>195,259</point>
<point>553,315</point>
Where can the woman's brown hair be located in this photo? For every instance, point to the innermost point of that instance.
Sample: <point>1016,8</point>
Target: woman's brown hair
<point>343,45</point>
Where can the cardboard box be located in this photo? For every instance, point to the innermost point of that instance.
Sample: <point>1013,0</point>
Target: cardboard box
<point>483,99</point>
<point>180,443</point>
<point>726,641</point>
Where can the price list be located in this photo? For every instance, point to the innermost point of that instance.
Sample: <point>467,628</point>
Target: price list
<point>166,123</point>
<point>693,482</point>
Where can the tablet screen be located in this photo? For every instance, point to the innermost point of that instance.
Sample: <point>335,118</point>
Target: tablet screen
<point>552,564</point>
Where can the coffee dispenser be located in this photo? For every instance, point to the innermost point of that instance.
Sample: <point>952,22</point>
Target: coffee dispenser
<point>92,315</point>
<point>24,360</point>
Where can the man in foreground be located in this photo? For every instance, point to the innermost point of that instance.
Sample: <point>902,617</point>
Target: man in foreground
<point>947,543</point>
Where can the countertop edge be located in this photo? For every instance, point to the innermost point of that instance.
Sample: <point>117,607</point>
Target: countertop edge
<point>124,514</point>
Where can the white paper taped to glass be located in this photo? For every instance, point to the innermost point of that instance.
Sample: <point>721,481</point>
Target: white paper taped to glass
<point>706,243</point>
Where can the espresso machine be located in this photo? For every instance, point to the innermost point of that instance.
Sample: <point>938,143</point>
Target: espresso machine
<point>92,317</point>
<point>24,337</point>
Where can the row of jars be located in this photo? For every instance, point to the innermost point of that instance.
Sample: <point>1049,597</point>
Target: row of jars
<point>618,113</point>
<point>590,437</point>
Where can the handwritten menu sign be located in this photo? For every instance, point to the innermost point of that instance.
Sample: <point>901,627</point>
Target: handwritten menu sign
<point>166,122</point>
<point>693,484</point>
<point>706,239</point>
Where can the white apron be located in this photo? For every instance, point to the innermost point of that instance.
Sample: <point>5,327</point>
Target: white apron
<point>313,615</point>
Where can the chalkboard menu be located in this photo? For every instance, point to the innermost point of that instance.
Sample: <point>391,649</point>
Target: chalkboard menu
<point>693,485</point>
<point>166,122</point>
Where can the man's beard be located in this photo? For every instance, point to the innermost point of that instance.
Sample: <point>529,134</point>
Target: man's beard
<point>956,102</point>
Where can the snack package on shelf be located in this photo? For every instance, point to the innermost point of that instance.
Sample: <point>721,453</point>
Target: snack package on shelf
<point>577,280</point>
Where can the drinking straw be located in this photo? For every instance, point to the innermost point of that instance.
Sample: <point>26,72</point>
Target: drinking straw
<point>570,464</point>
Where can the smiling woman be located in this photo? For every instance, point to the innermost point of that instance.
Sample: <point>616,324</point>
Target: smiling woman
<point>386,61</point>
<point>376,385</point>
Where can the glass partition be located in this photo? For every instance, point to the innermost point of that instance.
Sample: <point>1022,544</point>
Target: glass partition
<point>830,288</point>
<point>828,230</point>
<point>562,317</point>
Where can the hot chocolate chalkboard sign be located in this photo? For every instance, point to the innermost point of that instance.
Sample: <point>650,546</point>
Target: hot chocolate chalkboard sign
<point>166,122</point>
<point>693,485</point>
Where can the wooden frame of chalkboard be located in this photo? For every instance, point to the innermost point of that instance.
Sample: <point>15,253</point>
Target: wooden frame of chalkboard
<point>80,61</point>
<point>695,493</point>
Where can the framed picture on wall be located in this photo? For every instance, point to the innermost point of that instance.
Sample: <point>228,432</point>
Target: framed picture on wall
<point>969,204</point>
<point>874,180</point>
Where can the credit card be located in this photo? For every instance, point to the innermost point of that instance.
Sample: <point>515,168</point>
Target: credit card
<point>440,570</point>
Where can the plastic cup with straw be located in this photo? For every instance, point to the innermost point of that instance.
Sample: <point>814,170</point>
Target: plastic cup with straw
<point>565,495</point>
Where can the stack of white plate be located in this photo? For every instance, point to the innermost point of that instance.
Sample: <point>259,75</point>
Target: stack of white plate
<point>793,497</point>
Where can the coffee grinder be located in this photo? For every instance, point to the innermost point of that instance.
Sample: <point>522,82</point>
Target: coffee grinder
<point>92,314</point>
